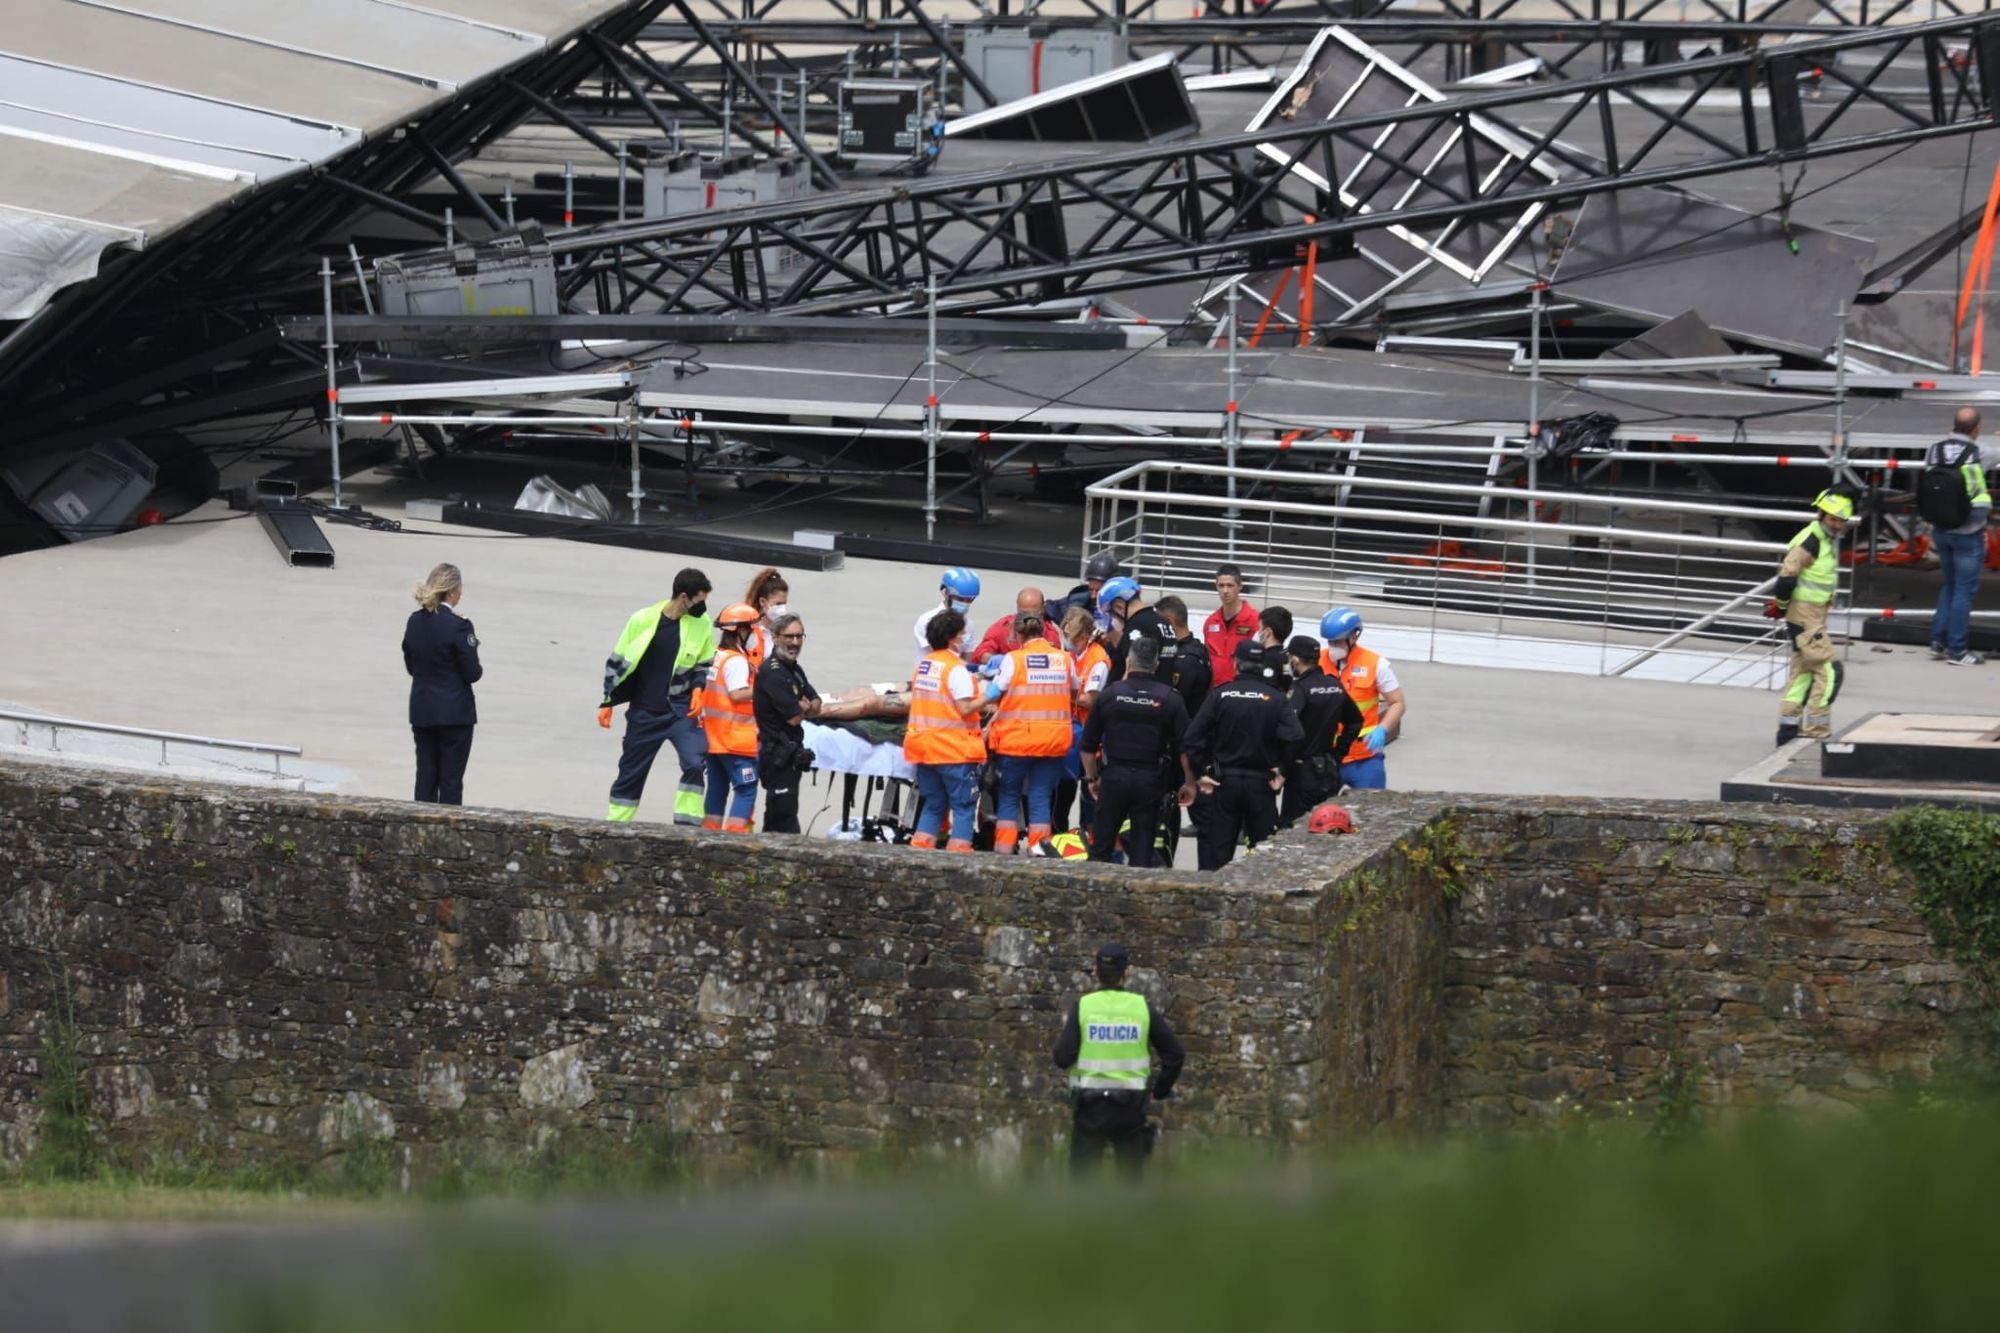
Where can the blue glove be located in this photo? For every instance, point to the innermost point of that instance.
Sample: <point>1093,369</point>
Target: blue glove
<point>1375,738</point>
<point>993,690</point>
<point>990,667</point>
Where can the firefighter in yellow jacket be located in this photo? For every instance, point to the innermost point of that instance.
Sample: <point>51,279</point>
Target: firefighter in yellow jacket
<point>1807,580</point>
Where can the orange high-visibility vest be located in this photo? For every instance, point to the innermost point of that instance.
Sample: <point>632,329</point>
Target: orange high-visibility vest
<point>731,726</point>
<point>937,733</point>
<point>1092,657</point>
<point>1357,677</point>
<point>1033,720</point>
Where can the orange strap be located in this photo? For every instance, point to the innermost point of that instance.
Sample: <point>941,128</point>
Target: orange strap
<point>1264,320</point>
<point>1306,289</point>
<point>1976,275</point>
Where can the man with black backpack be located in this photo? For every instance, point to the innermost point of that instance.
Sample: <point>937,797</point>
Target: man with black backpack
<point>1952,498</point>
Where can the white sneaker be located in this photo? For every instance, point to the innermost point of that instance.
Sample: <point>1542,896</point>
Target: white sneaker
<point>1967,659</point>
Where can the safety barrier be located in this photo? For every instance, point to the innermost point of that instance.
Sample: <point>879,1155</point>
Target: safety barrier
<point>1656,585</point>
<point>26,724</point>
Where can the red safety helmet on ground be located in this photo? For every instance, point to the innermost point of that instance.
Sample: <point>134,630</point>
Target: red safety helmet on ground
<point>1330,817</point>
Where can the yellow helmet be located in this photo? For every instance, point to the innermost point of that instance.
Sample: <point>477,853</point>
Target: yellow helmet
<point>1835,504</point>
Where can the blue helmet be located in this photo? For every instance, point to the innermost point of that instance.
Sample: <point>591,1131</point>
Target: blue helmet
<point>1116,590</point>
<point>1339,623</point>
<point>960,582</point>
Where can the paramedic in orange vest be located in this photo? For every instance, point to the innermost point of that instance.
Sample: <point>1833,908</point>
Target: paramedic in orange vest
<point>942,737</point>
<point>729,718</point>
<point>1035,688</point>
<point>1093,669</point>
<point>1371,682</point>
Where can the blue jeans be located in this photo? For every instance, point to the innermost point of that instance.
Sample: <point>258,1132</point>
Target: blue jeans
<point>1370,774</point>
<point>732,783</point>
<point>1961,555</point>
<point>1030,777</point>
<point>953,787</point>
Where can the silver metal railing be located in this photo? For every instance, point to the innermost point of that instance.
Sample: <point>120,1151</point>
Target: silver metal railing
<point>26,723</point>
<point>1657,584</point>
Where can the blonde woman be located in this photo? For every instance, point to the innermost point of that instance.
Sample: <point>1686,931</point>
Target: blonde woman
<point>441,653</point>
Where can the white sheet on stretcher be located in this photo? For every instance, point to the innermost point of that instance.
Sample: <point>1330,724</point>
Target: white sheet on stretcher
<point>838,750</point>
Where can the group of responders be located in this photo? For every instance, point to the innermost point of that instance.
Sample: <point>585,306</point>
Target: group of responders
<point>1098,702</point>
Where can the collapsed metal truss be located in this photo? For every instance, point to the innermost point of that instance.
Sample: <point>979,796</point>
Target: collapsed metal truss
<point>1233,203</point>
<point>185,333</point>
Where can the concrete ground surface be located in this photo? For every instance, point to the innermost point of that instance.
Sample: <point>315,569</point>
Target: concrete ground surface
<point>200,627</point>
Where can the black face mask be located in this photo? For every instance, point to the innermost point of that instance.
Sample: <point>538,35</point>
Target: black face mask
<point>698,609</point>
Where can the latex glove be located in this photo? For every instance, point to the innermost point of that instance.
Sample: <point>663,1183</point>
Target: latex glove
<point>604,717</point>
<point>1772,611</point>
<point>990,667</point>
<point>993,691</point>
<point>1375,738</point>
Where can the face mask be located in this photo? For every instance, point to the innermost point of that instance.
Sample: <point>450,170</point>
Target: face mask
<point>774,610</point>
<point>960,605</point>
<point>699,608</point>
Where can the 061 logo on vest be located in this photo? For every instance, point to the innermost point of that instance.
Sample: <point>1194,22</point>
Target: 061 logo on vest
<point>1109,1032</point>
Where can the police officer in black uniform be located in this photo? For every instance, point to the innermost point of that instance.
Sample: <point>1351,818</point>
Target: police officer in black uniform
<point>1330,719</point>
<point>1139,724</point>
<point>1193,676</point>
<point>1239,742</point>
<point>441,653</point>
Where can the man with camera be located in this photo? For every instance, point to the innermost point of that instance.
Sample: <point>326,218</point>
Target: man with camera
<point>783,700</point>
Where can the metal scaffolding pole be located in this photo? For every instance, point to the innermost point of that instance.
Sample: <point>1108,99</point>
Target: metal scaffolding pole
<point>332,380</point>
<point>930,411</point>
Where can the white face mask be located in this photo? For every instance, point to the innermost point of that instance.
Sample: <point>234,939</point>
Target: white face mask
<point>774,610</point>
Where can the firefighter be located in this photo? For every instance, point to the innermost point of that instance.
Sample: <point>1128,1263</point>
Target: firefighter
<point>1807,578</point>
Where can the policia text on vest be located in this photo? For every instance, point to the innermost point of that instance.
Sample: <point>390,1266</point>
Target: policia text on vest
<point>657,671</point>
<point>1108,1039</point>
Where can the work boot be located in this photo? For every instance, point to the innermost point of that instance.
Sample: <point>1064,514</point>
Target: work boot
<point>1788,731</point>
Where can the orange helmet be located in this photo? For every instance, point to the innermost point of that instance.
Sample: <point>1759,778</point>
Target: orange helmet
<point>1327,817</point>
<point>737,616</point>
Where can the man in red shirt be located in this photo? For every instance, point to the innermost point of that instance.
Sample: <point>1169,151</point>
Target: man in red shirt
<point>1231,624</point>
<point>1000,640</point>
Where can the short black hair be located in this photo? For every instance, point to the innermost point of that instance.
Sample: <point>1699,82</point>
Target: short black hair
<point>1231,570</point>
<point>691,583</point>
<point>944,628</point>
<point>1277,620</point>
<point>1173,608</point>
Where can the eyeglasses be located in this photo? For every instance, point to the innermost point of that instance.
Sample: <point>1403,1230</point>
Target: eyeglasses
<point>792,638</point>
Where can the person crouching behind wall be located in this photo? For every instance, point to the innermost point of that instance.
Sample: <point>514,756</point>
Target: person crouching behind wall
<point>941,739</point>
<point>441,653</point>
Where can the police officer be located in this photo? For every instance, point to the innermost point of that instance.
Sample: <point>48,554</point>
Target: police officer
<point>784,699</point>
<point>1193,676</point>
<point>1106,1044</point>
<point>1238,743</point>
<point>1331,720</point>
<point>1120,605</point>
<point>441,653</point>
<point>1139,723</point>
<point>658,670</point>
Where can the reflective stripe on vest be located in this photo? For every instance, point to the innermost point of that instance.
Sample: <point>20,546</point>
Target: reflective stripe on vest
<point>1357,676</point>
<point>1092,656</point>
<point>1035,713</point>
<point>1819,579</point>
<point>1115,1028</point>
<point>731,727</point>
<point>697,646</point>
<point>937,733</point>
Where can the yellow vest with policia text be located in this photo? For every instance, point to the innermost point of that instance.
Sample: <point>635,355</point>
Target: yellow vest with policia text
<point>1114,1053</point>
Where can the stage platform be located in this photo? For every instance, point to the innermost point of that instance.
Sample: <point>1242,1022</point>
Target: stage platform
<point>1882,761</point>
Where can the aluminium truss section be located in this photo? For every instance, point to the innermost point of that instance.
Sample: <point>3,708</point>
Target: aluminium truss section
<point>1235,203</point>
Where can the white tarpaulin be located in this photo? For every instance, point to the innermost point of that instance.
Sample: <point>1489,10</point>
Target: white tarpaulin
<point>40,255</point>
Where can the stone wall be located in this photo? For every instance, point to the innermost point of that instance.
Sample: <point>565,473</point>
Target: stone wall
<point>263,976</point>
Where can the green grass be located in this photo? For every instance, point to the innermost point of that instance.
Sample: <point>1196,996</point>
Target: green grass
<point>1882,1224</point>
<point>139,1201</point>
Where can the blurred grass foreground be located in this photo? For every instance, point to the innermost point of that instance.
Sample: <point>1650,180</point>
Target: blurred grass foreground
<point>1882,1222</point>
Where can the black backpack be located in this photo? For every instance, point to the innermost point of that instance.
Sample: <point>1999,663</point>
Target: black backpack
<point>1941,497</point>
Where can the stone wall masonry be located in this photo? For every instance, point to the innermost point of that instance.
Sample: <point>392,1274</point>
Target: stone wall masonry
<point>264,976</point>
<point>280,975</point>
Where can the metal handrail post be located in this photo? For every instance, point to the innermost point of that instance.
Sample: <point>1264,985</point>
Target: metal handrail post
<point>332,379</point>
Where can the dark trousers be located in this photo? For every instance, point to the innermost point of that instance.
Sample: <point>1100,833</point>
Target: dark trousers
<point>781,796</point>
<point>441,756</point>
<point>1306,785</point>
<point>1114,1122</point>
<point>1201,814</point>
<point>1245,805</point>
<point>645,733</point>
<point>1127,791</point>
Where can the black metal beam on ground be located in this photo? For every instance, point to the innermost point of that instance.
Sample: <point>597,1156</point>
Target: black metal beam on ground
<point>296,534</point>
<point>1012,559</point>
<point>666,538</point>
<point>488,330</point>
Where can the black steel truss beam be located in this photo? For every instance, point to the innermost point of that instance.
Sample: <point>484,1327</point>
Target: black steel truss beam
<point>875,249</point>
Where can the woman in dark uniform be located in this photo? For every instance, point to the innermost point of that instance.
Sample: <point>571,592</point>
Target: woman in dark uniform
<point>442,655</point>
